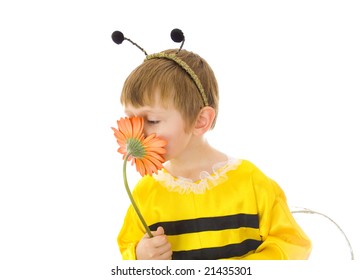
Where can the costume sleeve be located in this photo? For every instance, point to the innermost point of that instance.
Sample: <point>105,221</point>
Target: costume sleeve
<point>282,237</point>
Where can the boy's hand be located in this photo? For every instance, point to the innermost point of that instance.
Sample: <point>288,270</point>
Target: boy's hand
<point>154,248</point>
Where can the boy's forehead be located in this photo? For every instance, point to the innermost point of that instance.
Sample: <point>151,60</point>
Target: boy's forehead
<point>153,103</point>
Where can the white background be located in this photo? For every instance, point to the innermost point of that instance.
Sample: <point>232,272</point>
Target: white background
<point>290,79</point>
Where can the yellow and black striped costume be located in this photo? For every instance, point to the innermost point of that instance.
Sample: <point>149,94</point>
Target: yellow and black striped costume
<point>237,213</point>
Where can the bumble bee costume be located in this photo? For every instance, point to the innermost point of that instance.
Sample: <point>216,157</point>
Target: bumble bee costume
<point>235,213</point>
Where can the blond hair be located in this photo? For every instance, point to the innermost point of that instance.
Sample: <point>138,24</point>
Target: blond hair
<point>174,84</point>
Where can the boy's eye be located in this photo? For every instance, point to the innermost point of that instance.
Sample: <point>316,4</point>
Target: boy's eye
<point>152,122</point>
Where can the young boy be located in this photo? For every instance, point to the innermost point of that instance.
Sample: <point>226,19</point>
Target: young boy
<point>203,204</point>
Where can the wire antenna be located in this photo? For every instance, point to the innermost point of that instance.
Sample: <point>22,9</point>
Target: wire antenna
<point>309,211</point>
<point>118,38</point>
<point>178,36</point>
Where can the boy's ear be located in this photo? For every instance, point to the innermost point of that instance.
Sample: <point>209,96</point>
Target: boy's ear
<point>204,120</point>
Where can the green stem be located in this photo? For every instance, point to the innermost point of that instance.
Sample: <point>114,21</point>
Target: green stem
<point>131,197</point>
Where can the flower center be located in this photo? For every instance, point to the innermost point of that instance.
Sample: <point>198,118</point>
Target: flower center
<point>135,148</point>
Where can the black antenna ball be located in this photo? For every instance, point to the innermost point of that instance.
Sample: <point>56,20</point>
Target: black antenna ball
<point>177,35</point>
<point>117,37</point>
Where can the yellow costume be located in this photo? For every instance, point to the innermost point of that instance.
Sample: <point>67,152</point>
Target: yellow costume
<point>235,213</point>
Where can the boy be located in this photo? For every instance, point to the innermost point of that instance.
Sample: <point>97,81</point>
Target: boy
<point>203,204</point>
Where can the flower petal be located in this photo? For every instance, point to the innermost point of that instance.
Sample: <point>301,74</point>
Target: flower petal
<point>140,167</point>
<point>125,127</point>
<point>137,125</point>
<point>156,156</point>
<point>149,166</point>
<point>118,134</point>
<point>152,140</point>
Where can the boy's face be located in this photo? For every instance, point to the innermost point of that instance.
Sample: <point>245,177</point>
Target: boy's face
<point>166,123</point>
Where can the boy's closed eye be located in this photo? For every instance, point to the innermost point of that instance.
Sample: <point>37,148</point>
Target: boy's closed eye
<point>152,122</point>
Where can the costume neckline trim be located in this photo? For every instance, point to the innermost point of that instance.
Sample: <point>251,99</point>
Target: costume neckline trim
<point>206,182</point>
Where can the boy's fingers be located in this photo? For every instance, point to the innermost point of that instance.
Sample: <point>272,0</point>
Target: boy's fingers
<point>160,231</point>
<point>159,240</point>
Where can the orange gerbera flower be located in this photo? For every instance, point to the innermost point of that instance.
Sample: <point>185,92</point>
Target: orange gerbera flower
<point>147,153</point>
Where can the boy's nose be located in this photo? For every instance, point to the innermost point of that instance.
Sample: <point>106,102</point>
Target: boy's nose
<point>146,131</point>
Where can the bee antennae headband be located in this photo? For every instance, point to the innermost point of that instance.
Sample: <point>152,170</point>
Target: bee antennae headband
<point>177,36</point>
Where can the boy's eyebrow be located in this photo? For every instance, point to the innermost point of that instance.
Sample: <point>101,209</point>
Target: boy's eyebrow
<point>128,112</point>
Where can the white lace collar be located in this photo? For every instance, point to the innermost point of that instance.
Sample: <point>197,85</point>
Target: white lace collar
<point>207,181</point>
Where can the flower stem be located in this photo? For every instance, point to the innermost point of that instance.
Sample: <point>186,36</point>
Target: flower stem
<point>131,197</point>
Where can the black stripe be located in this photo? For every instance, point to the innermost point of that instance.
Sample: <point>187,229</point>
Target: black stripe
<point>207,224</point>
<point>228,251</point>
